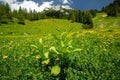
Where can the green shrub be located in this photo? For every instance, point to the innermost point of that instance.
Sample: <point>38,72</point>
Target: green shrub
<point>112,12</point>
<point>87,26</point>
<point>4,21</point>
<point>87,20</point>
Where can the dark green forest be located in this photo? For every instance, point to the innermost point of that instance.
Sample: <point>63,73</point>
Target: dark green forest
<point>112,9</point>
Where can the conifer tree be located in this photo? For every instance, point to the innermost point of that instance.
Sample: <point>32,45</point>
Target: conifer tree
<point>93,13</point>
<point>73,17</point>
<point>87,20</point>
<point>5,13</point>
<point>111,10</point>
<point>80,16</point>
<point>21,17</point>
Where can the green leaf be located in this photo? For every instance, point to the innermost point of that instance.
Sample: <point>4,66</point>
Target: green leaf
<point>54,49</point>
<point>40,41</point>
<point>62,43</point>
<point>63,36</point>
<point>69,42</point>
<point>77,49</point>
<point>34,46</point>
<point>56,37</point>
<point>55,70</point>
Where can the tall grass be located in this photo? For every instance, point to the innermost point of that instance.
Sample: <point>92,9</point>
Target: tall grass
<point>92,55</point>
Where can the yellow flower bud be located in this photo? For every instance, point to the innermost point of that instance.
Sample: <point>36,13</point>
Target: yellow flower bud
<point>46,61</point>
<point>104,50</point>
<point>37,56</point>
<point>5,57</point>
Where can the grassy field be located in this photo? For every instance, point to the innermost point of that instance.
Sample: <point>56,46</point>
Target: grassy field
<point>48,26</point>
<point>102,21</point>
<point>41,27</point>
<point>49,50</point>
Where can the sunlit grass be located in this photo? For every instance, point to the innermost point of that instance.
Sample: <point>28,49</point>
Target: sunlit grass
<point>91,51</point>
<point>41,27</point>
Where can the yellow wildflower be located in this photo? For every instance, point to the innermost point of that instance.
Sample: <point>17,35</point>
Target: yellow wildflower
<point>92,32</point>
<point>46,61</point>
<point>110,36</point>
<point>107,45</point>
<point>10,43</point>
<point>104,50</point>
<point>100,46</point>
<point>10,48</point>
<point>82,34</point>
<point>70,34</point>
<point>5,57</point>
<point>77,36</point>
<point>37,56</point>
<point>104,42</point>
<point>57,59</point>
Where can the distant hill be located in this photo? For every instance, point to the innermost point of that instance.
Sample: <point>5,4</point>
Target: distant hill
<point>50,26</point>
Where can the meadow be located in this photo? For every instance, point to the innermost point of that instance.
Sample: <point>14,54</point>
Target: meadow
<point>55,49</point>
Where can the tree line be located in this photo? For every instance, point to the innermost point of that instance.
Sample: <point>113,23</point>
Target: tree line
<point>112,9</point>
<point>22,14</point>
<point>84,17</point>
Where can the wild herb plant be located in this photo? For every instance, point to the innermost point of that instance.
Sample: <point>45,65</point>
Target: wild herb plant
<point>59,56</point>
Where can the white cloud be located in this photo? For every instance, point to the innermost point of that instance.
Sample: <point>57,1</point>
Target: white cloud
<point>8,1</point>
<point>65,1</point>
<point>46,5</point>
<point>30,5</point>
<point>66,6</point>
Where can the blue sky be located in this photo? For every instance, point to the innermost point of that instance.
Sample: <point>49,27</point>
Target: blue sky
<point>90,4</point>
<point>40,5</point>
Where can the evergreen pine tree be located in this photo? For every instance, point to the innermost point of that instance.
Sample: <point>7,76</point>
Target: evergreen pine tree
<point>111,10</point>
<point>73,18</point>
<point>21,17</point>
<point>5,13</point>
<point>80,16</point>
<point>93,13</point>
<point>87,20</point>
